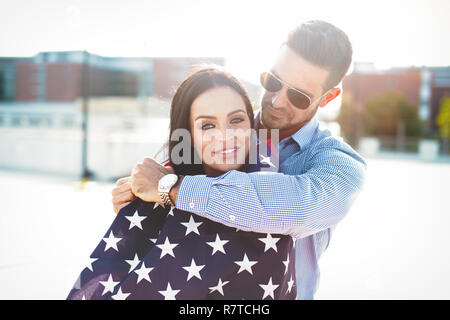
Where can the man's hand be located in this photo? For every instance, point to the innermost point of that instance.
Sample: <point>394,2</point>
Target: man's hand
<point>144,180</point>
<point>122,194</point>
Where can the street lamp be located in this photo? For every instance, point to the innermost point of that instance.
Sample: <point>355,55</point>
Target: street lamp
<point>85,85</point>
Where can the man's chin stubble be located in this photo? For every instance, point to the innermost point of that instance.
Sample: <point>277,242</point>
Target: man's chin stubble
<point>272,123</point>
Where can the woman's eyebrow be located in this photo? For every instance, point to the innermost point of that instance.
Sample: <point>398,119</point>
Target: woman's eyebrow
<point>213,117</point>
<point>207,117</point>
<point>235,111</point>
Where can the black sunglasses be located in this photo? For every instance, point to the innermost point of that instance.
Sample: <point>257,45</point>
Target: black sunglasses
<point>272,84</point>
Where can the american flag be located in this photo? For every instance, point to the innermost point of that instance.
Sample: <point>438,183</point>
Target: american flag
<point>156,252</point>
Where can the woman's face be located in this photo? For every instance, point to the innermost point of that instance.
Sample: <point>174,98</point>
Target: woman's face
<point>220,129</point>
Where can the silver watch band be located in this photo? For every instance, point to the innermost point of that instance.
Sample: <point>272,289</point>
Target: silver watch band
<point>165,198</point>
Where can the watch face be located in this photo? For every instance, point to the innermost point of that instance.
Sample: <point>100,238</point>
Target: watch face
<point>167,182</point>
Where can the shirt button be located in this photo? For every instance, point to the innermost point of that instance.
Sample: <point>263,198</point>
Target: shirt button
<point>191,205</point>
<point>232,218</point>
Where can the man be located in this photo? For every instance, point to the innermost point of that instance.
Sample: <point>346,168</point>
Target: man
<point>319,175</point>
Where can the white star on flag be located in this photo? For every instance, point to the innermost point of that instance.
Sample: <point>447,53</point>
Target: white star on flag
<point>111,241</point>
<point>286,264</point>
<point>219,287</point>
<point>133,263</point>
<point>269,288</point>
<point>169,293</point>
<point>135,220</point>
<point>290,284</point>
<point>218,245</point>
<point>269,242</point>
<point>120,295</point>
<point>90,262</point>
<point>143,273</point>
<point>171,211</point>
<point>245,264</point>
<point>193,270</point>
<point>191,226</point>
<point>167,248</point>
<point>109,285</point>
<point>156,205</point>
<point>266,160</point>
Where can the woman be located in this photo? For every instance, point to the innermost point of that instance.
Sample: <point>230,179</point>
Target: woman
<point>153,252</point>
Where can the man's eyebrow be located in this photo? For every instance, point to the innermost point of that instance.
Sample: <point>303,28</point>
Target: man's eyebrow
<point>213,117</point>
<point>309,94</point>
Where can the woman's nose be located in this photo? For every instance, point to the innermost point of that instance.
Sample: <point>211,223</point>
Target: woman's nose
<point>226,136</point>
<point>226,133</point>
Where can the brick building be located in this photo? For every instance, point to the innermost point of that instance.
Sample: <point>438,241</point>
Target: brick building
<point>422,87</point>
<point>66,76</point>
<point>363,86</point>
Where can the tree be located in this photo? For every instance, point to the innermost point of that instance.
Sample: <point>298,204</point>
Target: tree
<point>443,118</point>
<point>348,119</point>
<point>443,121</point>
<point>387,112</point>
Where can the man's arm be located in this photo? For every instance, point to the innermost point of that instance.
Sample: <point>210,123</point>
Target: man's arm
<point>299,205</point>
<point>143,183</point>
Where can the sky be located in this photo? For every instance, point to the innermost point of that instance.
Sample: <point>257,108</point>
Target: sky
<point>247,33</point>
<point>388,33</point>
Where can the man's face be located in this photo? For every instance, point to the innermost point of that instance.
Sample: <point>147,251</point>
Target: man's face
<point>276,110</point>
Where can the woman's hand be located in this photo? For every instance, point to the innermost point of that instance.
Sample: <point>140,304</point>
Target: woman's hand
<point>122,194</point>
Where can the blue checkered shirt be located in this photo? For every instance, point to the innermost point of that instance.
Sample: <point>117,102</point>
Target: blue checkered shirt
<point>319,177</point>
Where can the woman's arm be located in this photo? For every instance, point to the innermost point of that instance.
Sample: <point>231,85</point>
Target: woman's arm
<point>121,194</point>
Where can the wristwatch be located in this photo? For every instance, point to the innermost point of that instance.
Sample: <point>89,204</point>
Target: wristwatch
<point>164,185</point>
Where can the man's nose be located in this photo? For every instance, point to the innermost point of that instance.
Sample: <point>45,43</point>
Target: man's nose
<point>279,99</point>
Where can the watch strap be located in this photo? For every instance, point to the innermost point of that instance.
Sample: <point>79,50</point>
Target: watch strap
<point>165,198</point>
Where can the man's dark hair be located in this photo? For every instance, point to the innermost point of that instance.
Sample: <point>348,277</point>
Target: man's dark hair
<point>324,45</point>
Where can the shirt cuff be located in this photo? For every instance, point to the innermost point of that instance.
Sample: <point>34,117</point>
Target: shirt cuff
<point>193,194</point>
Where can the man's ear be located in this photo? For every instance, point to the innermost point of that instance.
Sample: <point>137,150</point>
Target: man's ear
<point>333,93</point>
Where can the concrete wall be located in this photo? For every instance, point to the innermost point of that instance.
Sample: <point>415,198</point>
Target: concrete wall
<point>111,153</point>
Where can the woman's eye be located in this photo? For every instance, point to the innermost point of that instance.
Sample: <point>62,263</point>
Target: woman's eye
<point>237,120</point>
<point>207,126</point>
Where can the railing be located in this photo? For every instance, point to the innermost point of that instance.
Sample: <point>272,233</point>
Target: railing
<point>425,149</point>
<point>405,144</point>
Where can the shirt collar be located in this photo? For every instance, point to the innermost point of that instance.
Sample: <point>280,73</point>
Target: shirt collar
<point>304,135</point>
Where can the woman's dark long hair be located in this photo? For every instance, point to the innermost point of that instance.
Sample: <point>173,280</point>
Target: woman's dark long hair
<point>194,85</point>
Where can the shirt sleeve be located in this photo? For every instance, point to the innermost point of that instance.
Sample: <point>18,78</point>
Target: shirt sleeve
<point>272,202</point>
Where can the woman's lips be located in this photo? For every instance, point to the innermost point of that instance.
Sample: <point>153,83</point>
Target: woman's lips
<point>227,153</point>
